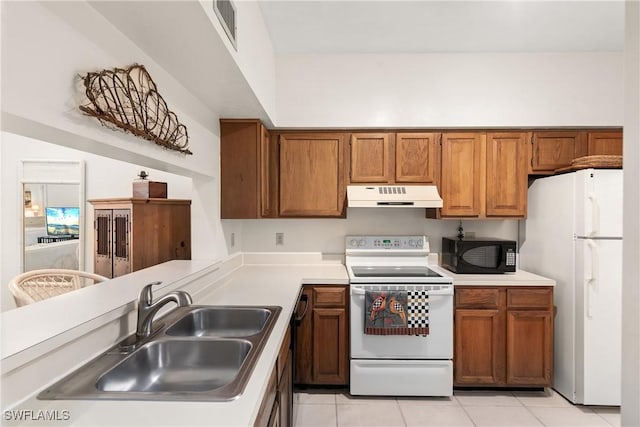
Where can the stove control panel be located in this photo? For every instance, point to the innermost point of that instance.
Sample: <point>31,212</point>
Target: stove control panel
<point>387,242</point>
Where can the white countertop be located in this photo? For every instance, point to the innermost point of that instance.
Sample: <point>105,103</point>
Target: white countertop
<point>519,278</point>
<point>248,285</point>
<point>261,280</point>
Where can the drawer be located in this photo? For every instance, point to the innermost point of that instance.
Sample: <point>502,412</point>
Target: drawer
<point>530,298</point>
<point>477,298</point>
<point>325,296</point>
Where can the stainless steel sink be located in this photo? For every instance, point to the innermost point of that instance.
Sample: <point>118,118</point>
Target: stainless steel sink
<point>178,366</point>
<point>221,322</point>
<point>201,353</point>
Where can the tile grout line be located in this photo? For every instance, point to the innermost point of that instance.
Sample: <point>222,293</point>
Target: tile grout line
<point>404,420</point>
<point>465,412</point>
<point>598,414</point>
<point>531,412</point>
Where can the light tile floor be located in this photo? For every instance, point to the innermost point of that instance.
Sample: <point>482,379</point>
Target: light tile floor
<point>465,408</point>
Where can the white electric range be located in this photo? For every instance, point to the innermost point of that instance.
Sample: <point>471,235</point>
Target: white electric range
<point>399,365</point>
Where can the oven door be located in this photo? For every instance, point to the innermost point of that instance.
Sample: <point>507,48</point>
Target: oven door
<point>437,345</point>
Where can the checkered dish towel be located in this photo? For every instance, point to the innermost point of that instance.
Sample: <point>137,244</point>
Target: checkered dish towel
<point>396,313</point>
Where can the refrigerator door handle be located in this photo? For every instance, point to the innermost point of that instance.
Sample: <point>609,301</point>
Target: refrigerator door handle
<point>593,275</point>
<point>595,214</point>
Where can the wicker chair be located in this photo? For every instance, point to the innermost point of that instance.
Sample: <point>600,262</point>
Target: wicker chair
<point>38,285</point>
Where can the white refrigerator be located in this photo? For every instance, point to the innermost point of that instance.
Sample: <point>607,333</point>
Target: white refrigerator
<point>573,234</point>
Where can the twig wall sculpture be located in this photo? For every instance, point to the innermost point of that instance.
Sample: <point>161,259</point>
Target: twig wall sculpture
<point>128,99</point>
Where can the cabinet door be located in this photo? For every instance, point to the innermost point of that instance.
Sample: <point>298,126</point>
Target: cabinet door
<point>285,395</point>
<point>330,346</point>
<point>416,157</point>
<point>304,342</point>
<point>552,150</point>
<point>311,175</point>
<point>161,231</point>
<point>461,182</point>
<point>267,200</point>
<point>240,162</point>
<point>600,143</point>
<point>121,242</point>
<point>370,157</point>
<point>479,357</point>
<point>103,254</point>
<point>268,414</point>
<point>529,348</point>
<point>506,189</point>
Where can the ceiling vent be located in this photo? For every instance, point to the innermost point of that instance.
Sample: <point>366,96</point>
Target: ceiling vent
<point>226,12</point>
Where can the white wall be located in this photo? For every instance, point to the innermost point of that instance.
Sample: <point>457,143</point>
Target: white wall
<point>431,90</point>
<point>442,90</point>
<point>104,178</point>
<point>631,245</point>
<point>254,55</point>
<point>327,235</point>
<point>45,46</point>
<point>42,57</point>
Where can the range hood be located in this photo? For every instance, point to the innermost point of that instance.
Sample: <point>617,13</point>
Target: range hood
<point>395,196</point>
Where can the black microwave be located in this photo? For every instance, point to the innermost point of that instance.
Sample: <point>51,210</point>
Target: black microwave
<point>478,256</point>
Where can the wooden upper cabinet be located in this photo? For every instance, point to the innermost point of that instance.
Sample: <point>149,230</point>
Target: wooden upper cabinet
<point>370,158</point>
<point>393,158</point>
<point>507,180</point>
<point>312,174</point>
<point>604,142</point>
<point>462,180</point>
<point>245,165</point>
<point>266,184</point>
<point>416,157</point>
<point>551,150</point>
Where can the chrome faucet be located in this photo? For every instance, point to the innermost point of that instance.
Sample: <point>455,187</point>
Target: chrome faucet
<point>147,308</point>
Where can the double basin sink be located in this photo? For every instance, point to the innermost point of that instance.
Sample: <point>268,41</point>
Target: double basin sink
<point>197,353</point>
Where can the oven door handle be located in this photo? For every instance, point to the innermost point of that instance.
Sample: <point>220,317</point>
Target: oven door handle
<point>359,291</point>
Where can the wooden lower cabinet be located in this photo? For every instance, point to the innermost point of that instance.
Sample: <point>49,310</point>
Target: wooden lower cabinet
<point>277,405</point>
<point>529,347</point>
<point>329,363</point>
<point>503,336</point>
<point>268,414</point>
<point>322,337</point>
<point>479,333</point>
<point>285,394</point>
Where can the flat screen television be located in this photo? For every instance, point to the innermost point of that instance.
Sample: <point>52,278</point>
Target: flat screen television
<point>63,221</point>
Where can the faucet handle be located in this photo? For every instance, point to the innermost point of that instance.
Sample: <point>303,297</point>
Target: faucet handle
<point>145,294</point>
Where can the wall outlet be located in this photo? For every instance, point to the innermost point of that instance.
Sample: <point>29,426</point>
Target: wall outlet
<point>470,234</point>
<point>279,239</point>
<point>233,239</point>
